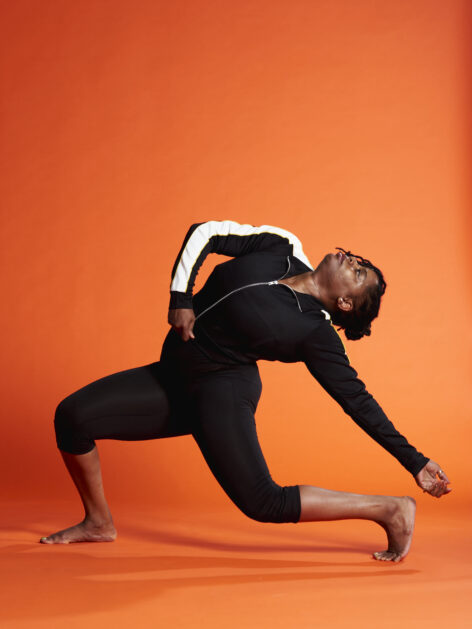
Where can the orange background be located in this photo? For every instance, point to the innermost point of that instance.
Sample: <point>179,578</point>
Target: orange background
<point>347,123</point>
<point>343,122</point>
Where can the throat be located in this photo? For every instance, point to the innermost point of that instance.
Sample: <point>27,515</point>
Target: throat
<point>301,284</point>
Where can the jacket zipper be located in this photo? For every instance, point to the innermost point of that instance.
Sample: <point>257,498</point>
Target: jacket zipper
<point>236,290</point>
<point>289,287</point>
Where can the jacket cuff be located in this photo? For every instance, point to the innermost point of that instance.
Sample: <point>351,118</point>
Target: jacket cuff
<point>418,465</point>
<point>180,300</point>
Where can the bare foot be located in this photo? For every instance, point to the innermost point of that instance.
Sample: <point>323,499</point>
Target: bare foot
<point>399,530</point>
<point>85,531</point>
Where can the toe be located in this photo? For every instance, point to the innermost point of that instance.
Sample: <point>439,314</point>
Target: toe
<point>379,555</point>
<point>53,539</point>
<point>386,555</point>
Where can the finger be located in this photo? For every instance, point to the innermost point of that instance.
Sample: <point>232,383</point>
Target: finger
<point>445,489</point>
<point>442,476</point>
<point>429,488</point>
<point>438,487</point>
<point>436,491</point>
<point>188,333</point>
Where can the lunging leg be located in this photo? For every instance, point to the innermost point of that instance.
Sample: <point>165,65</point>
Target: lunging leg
<point>129,405</point>
<point>97,526</point>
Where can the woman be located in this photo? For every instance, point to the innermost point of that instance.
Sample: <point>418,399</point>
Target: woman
<point>266,303</point>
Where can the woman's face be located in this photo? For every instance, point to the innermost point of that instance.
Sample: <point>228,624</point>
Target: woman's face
<point>345,280</point>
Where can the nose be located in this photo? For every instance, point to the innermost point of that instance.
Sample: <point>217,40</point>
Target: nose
<point>353,261</point>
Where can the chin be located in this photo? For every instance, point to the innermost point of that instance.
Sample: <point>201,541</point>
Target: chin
<point>332,260</point>
<point>325,261</point>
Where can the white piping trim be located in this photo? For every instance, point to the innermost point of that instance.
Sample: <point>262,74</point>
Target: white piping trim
<point>202,234</point>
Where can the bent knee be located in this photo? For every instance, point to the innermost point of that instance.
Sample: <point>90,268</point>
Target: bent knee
<point>275,504</point>
<point>69,426</point>
<point>65,415</point>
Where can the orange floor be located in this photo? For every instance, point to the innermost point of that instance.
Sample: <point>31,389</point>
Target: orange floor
<point>178,569</point>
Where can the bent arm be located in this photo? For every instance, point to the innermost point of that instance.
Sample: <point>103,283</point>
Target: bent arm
<point>226,238</point>
<point>327,361</point>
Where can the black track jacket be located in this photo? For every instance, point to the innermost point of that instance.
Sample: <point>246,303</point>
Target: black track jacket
<point>243,315</point>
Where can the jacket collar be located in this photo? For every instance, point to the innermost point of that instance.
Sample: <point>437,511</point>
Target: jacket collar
<point>307,302</point>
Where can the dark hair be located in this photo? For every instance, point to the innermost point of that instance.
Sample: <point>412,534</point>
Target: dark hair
<point>356,322</point>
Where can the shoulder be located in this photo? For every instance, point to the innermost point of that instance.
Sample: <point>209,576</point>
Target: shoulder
<point>294,241</point>
<point>259,237</point>
<point>325,338</point>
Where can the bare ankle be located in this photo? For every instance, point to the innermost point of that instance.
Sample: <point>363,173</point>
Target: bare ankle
<point>390,509</point>
<point>98,521</point>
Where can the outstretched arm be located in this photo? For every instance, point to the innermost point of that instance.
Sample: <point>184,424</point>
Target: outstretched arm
<point>327,361</point>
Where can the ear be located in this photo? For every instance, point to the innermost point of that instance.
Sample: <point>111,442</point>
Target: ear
<point>344,303</point>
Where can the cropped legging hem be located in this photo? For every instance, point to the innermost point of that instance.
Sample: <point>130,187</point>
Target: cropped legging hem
<point>218,409</point>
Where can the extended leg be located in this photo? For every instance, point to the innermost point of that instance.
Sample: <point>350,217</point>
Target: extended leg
<point>128,405</point>
<point>225,430</point>
<point>395,514</point>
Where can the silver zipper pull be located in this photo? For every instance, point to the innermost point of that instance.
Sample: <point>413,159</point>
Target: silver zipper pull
<point>273,282</point>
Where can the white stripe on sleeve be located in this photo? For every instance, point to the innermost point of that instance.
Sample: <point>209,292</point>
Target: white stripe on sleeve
<point>202,234</point>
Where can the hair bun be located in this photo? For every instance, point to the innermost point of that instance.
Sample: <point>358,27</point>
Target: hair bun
<point>354,334</point>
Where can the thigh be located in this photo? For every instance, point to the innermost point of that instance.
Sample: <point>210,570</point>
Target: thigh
<point>225,430</point>
<point>132,404</point>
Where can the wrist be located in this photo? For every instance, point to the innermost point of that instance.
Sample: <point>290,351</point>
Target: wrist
<point>180,300</point>
<point>420,464</point>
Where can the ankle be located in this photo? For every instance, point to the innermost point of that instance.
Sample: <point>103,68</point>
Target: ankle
<point>98,521</point>
<point>390,509</point>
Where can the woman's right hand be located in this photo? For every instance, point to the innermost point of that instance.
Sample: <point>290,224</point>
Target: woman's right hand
<point>433,480</point>
<point>182,320</point>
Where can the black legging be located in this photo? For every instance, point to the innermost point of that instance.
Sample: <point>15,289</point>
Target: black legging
<point>184,394</point>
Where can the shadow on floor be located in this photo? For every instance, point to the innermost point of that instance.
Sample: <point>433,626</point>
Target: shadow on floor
<point>48,581</point>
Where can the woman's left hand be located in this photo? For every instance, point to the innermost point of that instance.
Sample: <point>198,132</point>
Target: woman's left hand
<point>433,480</point>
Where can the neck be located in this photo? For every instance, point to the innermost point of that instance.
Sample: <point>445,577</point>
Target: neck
<point>308,283</point>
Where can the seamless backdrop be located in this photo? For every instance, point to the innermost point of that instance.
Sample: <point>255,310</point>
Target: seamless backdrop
<point>344,122</point>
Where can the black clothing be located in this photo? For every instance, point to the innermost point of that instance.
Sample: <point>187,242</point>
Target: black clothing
<point>214,403</point>
<point>244,315</point>
<point>209,387</point>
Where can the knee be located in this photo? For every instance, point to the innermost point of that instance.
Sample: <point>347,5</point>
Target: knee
<point>65,416</point>
<point>69,428</point>
<point>272,503</point>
